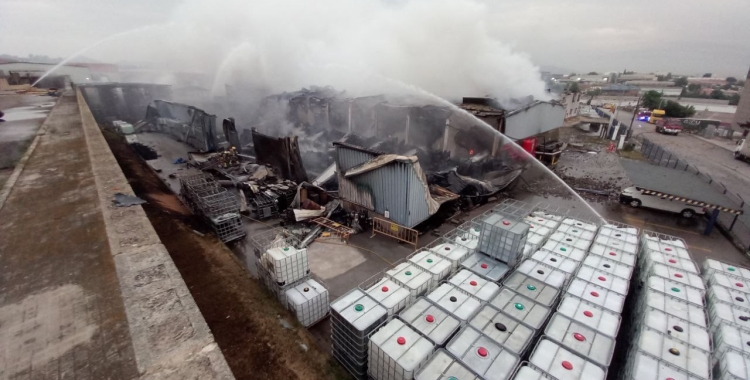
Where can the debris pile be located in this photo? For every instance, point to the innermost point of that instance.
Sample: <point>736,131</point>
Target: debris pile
<point>219,207</point>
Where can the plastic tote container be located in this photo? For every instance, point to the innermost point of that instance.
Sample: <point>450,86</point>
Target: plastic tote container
<point>733,366</point>
<point>675,327</point>
<point>574,240</point>
<point>442,366</point>
<point>566,250</point>
<point>563,364</point>
<point>388,293</point>
<point>641,366</point>
<point>581,339</point>
<point>451,252</point>
<point>675,289</point>
<point>531,288</point>
<point>286,265</point>
<point>731,282</point>
<point>308,301</point>
<point>718,293</point>
<point>727,337</point>
<point>542,221</point>
<point>722,313</point>
<point>503,329</point>
<point>439,267</point>
<point>597,295</point>
<point>475,285</point>
<point>486,267</point>
<point>556,261</point>
<point>617,244</point>
<point>627,234</point>
<point>521,308</point>
<point>503,238</point>
<point>711,266</point>
<point>482,355</point>
<point>677,307</point>
<point>609,266</point>
<point>669,245</point>
<point>431,321</point>
<point>397,351</point>
<point>411,277</point>
<point>675,274</point>
<point>575,223</point>
<point>544,273</point>
<point>526,372</point>
<point>467,239</point>
<point>614,254</point>
<point>593,275</point>
<point>650,258</point>
<point>602,320</point>
<point>687,358</point>
<point>353,317</point>
<point>455,301</point>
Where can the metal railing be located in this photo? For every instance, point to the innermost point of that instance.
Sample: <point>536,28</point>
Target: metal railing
<point>394,230</point>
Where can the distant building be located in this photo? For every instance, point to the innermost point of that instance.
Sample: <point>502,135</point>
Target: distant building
<point>629,77</point>
<point>28,73</point>
<point>666,91</point>
<point>620,90</point>
<point>707,81</point>
<point>572,103</point>
<point>742,115</point>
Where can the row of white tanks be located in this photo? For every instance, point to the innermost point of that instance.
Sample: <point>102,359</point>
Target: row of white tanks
<point>479,301</point>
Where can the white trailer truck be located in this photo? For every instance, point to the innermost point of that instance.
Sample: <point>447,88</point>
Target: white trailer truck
<point>742,150</point>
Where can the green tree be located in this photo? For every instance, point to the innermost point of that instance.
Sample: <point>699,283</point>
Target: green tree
<point>681,82</point>
<point>717,94</point>
<point>593,73</point>
<point>651,100</point>
<point>734,99</point>
<point>674,109</point>
<point>740,83</point>
<point>573,87</point>
<point>594,91</point>
<point>726,86</point>
<point>707,75</point>
<point>731,80</point>
<point>694,87</point>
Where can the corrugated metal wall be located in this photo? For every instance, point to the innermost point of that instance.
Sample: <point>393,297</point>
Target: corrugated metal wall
<point>395,187</point>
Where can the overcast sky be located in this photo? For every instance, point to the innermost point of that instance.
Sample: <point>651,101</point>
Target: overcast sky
<point>688,37</point>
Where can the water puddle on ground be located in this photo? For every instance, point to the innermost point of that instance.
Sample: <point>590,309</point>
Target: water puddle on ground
<point>27,112</point>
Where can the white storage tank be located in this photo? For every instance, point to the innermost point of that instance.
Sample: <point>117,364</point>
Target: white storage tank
<point>451,252</point>
<point>614,243</point>
<point>722,313</point>
<point>411,277</point>
<point>546,274</point>
<point>556,261</point>
<point>650,258</point>
<point>286,264</point>
<point>578,224</point>
<point>710,266</point>
<point>431,321</point>
<point>675,327</point>
<point>527,372</point>
<point>730,282</point>
<point>727,337</point>
<point>605,280</point>
<point>503,238</point>
<point>581,339</point>
<point>572,240</point>
<point>391,295</point>
<point>675,289</point>
<point>566,250</point>
<point>475,285</point>
<point>521,308</point>
<point>442,366</point>
<point>687,358</point>
<point>615,254</point>
<point>486,267</point>
<point>455,301</point>
<point>563,364</point>
<point>602,320</point>
<point>609,266</point>
<point>353,317</point>
<point>673,306</point>
<point>308,301</point>
<point>597,295</point>
<point>577,233</point>
<point>733,366</point>
<point>531,288</point>
<point>542,221</point>
<point>627,234</point>
<point>397,351</point>
<point>436,265</point>
<point>503,329</point>
<point>677,275</point>
<point>669,245</point>
<point>641,366</point>
<point>467,239</point>
<point>482,355</point>
<point>718,293</point>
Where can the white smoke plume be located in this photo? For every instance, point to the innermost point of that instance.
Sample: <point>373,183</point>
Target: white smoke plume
<point>442,46</point>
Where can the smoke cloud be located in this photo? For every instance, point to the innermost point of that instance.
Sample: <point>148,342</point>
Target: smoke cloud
<point>361,46</point>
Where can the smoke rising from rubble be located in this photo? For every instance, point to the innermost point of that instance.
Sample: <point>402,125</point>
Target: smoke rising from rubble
<point>443,46</point>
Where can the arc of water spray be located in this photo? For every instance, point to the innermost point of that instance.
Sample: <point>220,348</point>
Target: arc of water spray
<point>95,44</point>
<point>410,87</point>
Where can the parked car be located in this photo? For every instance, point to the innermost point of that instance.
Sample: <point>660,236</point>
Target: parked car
<point>634,197</point>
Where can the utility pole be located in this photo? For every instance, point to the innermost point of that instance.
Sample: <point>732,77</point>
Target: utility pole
<point>632,120</point>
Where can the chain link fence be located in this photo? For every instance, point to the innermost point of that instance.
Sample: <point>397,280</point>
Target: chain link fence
<point>737,226</point>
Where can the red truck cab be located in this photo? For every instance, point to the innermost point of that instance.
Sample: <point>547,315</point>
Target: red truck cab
<point>669,126</point>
